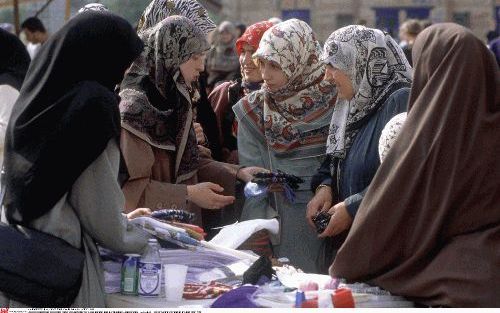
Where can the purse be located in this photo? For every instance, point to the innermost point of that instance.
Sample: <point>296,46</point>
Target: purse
<point>38,269</point>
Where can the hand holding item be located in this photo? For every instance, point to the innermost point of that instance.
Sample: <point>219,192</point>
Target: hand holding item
<point>207,195</point>
<point>138,213</point>
<point>322,201</point>
<point>246,174</point>
<point>339,222</point>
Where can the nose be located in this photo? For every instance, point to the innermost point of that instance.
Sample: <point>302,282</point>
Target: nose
<point>265,73</point>
<point>247,57</point>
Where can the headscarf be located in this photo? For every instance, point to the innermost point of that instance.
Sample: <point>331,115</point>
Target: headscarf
<point>296,117</point>
<point>389,134</point>
<point>14,60</point>
<point>158,10</point>
<point>429,226</point>
<point>376,66</point>
<point>252,35</point>
<point>223,56</point>
<point>66,112</point>
<point>98,7</point>
<point>164,121</point>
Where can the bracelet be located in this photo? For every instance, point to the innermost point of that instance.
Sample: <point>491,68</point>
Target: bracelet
<point>321,186</point>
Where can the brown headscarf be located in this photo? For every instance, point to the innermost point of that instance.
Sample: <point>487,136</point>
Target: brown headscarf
<point>429,226</point>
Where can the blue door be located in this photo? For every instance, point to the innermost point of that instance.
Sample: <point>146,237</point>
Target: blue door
<point>303,15</point>
<point>387,19</point>
<point>418,13</point>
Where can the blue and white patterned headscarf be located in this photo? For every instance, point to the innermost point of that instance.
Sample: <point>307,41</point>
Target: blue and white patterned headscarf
<point>376,66</point>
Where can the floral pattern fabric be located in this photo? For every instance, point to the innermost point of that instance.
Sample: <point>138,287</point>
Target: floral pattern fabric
<point>252,35</point>
<point>165,124</point>
<point>158,10</point>
<point>376,66</point>
<point>297,116</point>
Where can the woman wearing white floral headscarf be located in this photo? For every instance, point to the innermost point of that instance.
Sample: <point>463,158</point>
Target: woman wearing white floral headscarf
<point>285,126</point>
<point>373,79</point>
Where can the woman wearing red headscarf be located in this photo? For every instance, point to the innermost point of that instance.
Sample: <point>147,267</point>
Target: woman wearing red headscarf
<point>229,93</point>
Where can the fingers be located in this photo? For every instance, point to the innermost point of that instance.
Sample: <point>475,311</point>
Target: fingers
<point>220,201</point>
<point>215,187</point>
<point>326,207</point>
<point>312,209</point>
<point>331,230</point>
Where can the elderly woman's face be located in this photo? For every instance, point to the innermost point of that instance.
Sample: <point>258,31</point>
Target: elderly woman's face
<point>341,80</point>
<point>250,70</point>
<point>192,68</point>
<point>273,75</point>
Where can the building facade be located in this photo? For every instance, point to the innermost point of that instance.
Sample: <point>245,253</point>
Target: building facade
<point>325,16</point>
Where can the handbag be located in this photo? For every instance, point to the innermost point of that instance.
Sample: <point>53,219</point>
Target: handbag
<point>36,268</point>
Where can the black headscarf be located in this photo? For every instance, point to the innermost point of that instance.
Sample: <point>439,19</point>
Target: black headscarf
<point>66,112</point>
<point>14,60</point>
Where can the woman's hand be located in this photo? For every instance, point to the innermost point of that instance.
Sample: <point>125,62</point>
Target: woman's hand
<point>246,173</point>
<point>138,213</point>
<point>207,196</point>
<point>340,221</point>
<point>321,201</point>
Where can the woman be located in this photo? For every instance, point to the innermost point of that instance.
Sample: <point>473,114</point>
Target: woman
<point>14,62</point>
<point>373,79</point>
<point>158,141</point>
<point>222,60</point>
<point>206,126</point>
<point>431,216</point>
<point>284,126</point>
<point>62,156</point>
<point>227,94</point>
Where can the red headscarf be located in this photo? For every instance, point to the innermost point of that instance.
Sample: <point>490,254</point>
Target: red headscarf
<point>252,35</point>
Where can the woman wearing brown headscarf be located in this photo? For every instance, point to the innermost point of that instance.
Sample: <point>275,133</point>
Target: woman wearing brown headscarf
<point>429,226</point>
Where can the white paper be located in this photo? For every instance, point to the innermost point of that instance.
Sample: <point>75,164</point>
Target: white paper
<point>234,235</point>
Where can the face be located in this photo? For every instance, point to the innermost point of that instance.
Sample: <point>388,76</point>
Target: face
<point>341,80</point>
<point>192,68</point>
<point>225,37</point>
<point>273,75</point>
<point>30,36</point>
<point>250,70</point>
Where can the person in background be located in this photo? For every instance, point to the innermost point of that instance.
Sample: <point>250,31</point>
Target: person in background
<point>408,32</point>
<point>431,216</point>
<point>284,126</point>
<point>240,29</point>
<point>425,23</point>
<point>222,60</point>
<point>158,139</point>
<point>389,134</point>
<point>35,34</point>
<point>60,171</point>
<point>373,79</point>
<point>227,94</point>
<point>14,63</point>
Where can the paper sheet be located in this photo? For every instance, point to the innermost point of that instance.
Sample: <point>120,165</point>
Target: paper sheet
<point>232,236</point>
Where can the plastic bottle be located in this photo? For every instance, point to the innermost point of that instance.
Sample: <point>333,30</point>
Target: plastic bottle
<point>150,271</point>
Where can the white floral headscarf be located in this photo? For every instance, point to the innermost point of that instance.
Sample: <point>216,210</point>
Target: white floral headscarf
<point>297,116</point>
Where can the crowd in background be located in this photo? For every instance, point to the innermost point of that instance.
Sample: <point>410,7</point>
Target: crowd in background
<point>397,141</point>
